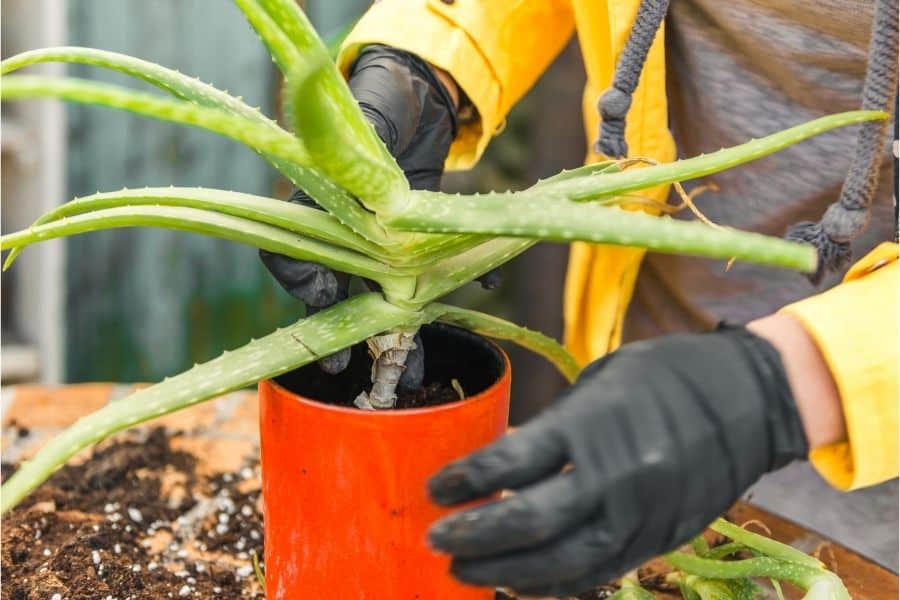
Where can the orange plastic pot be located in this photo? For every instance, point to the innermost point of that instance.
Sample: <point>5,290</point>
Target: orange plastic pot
<point>344,490</point>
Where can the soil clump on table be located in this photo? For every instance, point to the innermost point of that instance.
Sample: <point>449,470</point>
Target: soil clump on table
<point>134,521</point>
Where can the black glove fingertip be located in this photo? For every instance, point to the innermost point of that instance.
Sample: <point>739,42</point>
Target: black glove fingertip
<point>450,486</point>
<point>414,373</point>
<point>491,280</point>
<point>335,363</point>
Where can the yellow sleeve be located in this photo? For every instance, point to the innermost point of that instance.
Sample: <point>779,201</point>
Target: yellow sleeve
<point>855,326</point>
<point>494,50</point>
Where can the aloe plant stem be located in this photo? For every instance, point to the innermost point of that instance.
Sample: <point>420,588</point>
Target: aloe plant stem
<point>389,352</point>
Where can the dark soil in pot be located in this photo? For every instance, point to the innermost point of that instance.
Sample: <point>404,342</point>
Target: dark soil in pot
<point>451,354</point>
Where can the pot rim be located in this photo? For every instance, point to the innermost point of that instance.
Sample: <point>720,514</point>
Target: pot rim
<point>482,396</point>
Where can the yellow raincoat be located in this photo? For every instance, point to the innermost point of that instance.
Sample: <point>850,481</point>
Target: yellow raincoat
<point>496,49</point>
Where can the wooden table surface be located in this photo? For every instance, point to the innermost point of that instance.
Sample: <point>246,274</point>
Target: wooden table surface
<point>224,431</point>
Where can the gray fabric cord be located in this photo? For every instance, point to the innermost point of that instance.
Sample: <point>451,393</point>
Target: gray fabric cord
<point>615,102</point>
<point>849,216</point>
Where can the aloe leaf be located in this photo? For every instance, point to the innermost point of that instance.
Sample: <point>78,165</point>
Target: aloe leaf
<point>211,223</point>
<point>329,196</point>
<point>613,184</point>
<point>262,138</point>
<point>529,215</point>
<point>289,216</point>
<point>497,328</point>
<point>333,91</point>
<point>286,215</point>
<point>761,566</point>
<point>763,544</point>
<point>631,590</point>
<point>724,550</point>
<point>339,139</point>
<point>717,589</point>
<point>597,168</point>
<point>305,63</point>
<point>177,84</point>
<point>306,340</point>
<point>293,22</point>
<point>283,51</point>
<point>700,546</point>
<point>445,276</point>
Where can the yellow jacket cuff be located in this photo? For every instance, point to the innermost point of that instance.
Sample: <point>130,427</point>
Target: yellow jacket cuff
<point>855,326</point>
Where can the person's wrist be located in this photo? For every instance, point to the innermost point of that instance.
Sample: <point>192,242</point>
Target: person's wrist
<point>812,385</point>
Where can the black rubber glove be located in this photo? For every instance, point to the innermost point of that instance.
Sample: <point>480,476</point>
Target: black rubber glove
<point>662,436</point>
<point>415,116</point>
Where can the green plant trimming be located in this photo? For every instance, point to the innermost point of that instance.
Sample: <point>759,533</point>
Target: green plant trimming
<point>727,571</point>
<point>416,245</point>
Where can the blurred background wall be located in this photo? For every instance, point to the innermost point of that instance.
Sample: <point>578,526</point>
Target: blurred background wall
<point>137,305</point>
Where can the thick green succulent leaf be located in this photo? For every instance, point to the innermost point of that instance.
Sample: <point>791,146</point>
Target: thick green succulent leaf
<point>285,215</point>
<point>761,566</point>
<point>296,27</point>
<point>532,215</point>
<point>177,84</point>
<point>766,545</point>
<point>328,195</point>
<point>632,590</point>
<point>614,184</point>
<point>236,229</point>
<point>497,328</point>
<point>280,46</point>
<point>597,168</point>
<point>339,139</point>
<point>721,589</point>
<point>306,340</point>
<point>724,550</point>
<point>258,136</point>
<point>447,275</point>
<point>332,91</point>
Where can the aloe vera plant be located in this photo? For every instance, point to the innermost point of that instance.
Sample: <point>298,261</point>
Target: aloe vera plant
<point>416,245</point>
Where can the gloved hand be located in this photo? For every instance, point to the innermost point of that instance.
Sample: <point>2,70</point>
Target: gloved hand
<point>662,436</point>
<point>416,118</point>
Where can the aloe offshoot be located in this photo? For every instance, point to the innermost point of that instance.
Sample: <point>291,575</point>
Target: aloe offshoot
<point>417,246</point>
